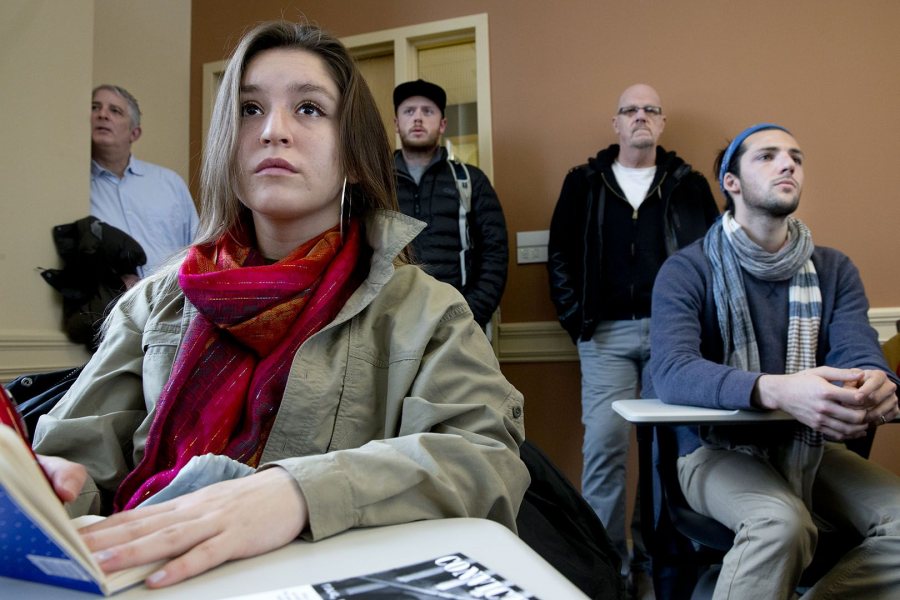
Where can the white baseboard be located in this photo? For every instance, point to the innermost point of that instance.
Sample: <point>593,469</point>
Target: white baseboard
<point>886,321</point>
<point>24,352</point>
<point>535,341</point>
<point>547,341</point>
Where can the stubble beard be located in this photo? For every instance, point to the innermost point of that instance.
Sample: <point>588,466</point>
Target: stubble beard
<point>422,145</point>
<point>777,208</point>
<point>773,204</point>
<point>644,142</point>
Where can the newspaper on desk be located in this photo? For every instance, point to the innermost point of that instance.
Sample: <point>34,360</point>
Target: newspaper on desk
<point>453,576</point>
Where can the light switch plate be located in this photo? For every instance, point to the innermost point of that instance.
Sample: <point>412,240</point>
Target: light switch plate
<point>531,246</point>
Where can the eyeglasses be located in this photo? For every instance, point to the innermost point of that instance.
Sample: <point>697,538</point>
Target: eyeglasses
<point>630,111</point>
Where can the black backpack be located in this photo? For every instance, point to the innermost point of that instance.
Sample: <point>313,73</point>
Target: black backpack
<point>558,523</point>
<point>37,393</point>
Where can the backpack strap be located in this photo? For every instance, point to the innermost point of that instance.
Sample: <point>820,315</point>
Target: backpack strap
<point>464,187</point>
<point>463,183</point>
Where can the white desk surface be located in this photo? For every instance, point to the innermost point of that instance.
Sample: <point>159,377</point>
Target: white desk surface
<point>652,410</point>
<point>352,553</point>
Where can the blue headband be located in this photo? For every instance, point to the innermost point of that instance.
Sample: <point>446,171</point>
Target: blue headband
<point>736,143</point>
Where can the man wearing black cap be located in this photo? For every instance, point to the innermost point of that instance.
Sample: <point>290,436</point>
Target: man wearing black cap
<point>465,242</point>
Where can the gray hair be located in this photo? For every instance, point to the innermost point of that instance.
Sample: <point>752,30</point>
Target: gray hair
<point>133,109</point>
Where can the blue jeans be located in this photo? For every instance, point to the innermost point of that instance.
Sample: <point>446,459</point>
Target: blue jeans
<point>611,365</point>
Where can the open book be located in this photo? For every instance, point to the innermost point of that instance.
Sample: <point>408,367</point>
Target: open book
<point>38,540</point>
<point>452,576</point>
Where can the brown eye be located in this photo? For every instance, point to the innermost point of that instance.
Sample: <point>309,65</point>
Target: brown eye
<point>249,109</point>
<point>311,109</point>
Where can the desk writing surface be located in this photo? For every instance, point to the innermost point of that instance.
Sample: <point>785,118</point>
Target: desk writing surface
<point>653,410</point>
<point>355,552</point>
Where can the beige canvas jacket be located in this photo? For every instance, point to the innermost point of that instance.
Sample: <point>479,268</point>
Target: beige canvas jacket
<point>394,412</point>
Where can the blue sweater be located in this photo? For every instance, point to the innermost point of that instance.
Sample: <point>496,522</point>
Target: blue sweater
<point>686,358</point>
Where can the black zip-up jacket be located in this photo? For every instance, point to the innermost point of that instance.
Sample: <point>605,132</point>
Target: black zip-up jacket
<point>435,200</point>
<point>678,209</point>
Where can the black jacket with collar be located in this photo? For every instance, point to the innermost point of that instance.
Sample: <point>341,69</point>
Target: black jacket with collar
<point>685,208</point>
<point>435,200</point>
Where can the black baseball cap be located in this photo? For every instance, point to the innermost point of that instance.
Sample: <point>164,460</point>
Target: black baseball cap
<point>423,88</point>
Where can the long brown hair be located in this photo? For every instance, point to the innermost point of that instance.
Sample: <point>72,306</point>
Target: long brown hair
<point>364,149</point>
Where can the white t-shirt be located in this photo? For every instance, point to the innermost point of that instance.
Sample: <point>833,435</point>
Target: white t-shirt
<point>634,182</point>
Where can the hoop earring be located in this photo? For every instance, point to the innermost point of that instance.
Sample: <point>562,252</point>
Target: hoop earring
<point>349,206</point>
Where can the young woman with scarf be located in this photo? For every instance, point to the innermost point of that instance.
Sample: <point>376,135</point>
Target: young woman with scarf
<point>292,374</point>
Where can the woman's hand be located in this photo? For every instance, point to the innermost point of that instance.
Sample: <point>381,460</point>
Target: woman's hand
<point>198,531</point>
<point>66,477</point>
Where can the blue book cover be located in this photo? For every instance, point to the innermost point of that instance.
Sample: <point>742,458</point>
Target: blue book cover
<point>29,552</point>
<point>38,540</point>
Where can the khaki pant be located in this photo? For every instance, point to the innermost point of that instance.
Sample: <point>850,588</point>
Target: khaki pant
<point>775,536</point>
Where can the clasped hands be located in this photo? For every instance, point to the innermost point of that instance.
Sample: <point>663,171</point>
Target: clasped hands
<point>232,519</point>
<point>842,404</point>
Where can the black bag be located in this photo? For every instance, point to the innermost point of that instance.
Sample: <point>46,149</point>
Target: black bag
<point>558,523</point>
<point>95,256</point>
<point>36,394</point>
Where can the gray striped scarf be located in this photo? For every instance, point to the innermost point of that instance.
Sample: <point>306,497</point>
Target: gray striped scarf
<point>729,250</point>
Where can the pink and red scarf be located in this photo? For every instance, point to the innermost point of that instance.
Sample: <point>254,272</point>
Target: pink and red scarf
<point>232,366</point>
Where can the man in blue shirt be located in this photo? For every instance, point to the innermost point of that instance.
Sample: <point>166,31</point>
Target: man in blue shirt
<point>150,203</point>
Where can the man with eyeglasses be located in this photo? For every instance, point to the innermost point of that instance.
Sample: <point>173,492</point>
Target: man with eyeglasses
<point>617,219</point>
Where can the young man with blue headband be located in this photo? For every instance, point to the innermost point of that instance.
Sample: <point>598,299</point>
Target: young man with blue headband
<point>755,316</point>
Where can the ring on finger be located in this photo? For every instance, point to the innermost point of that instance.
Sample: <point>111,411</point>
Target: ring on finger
<point>883,420</point>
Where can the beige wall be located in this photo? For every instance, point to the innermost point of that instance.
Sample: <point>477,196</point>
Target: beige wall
<point>824,68</point>
<point>52,53</point>
<point>45,67</point>
<point>145,47</point>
